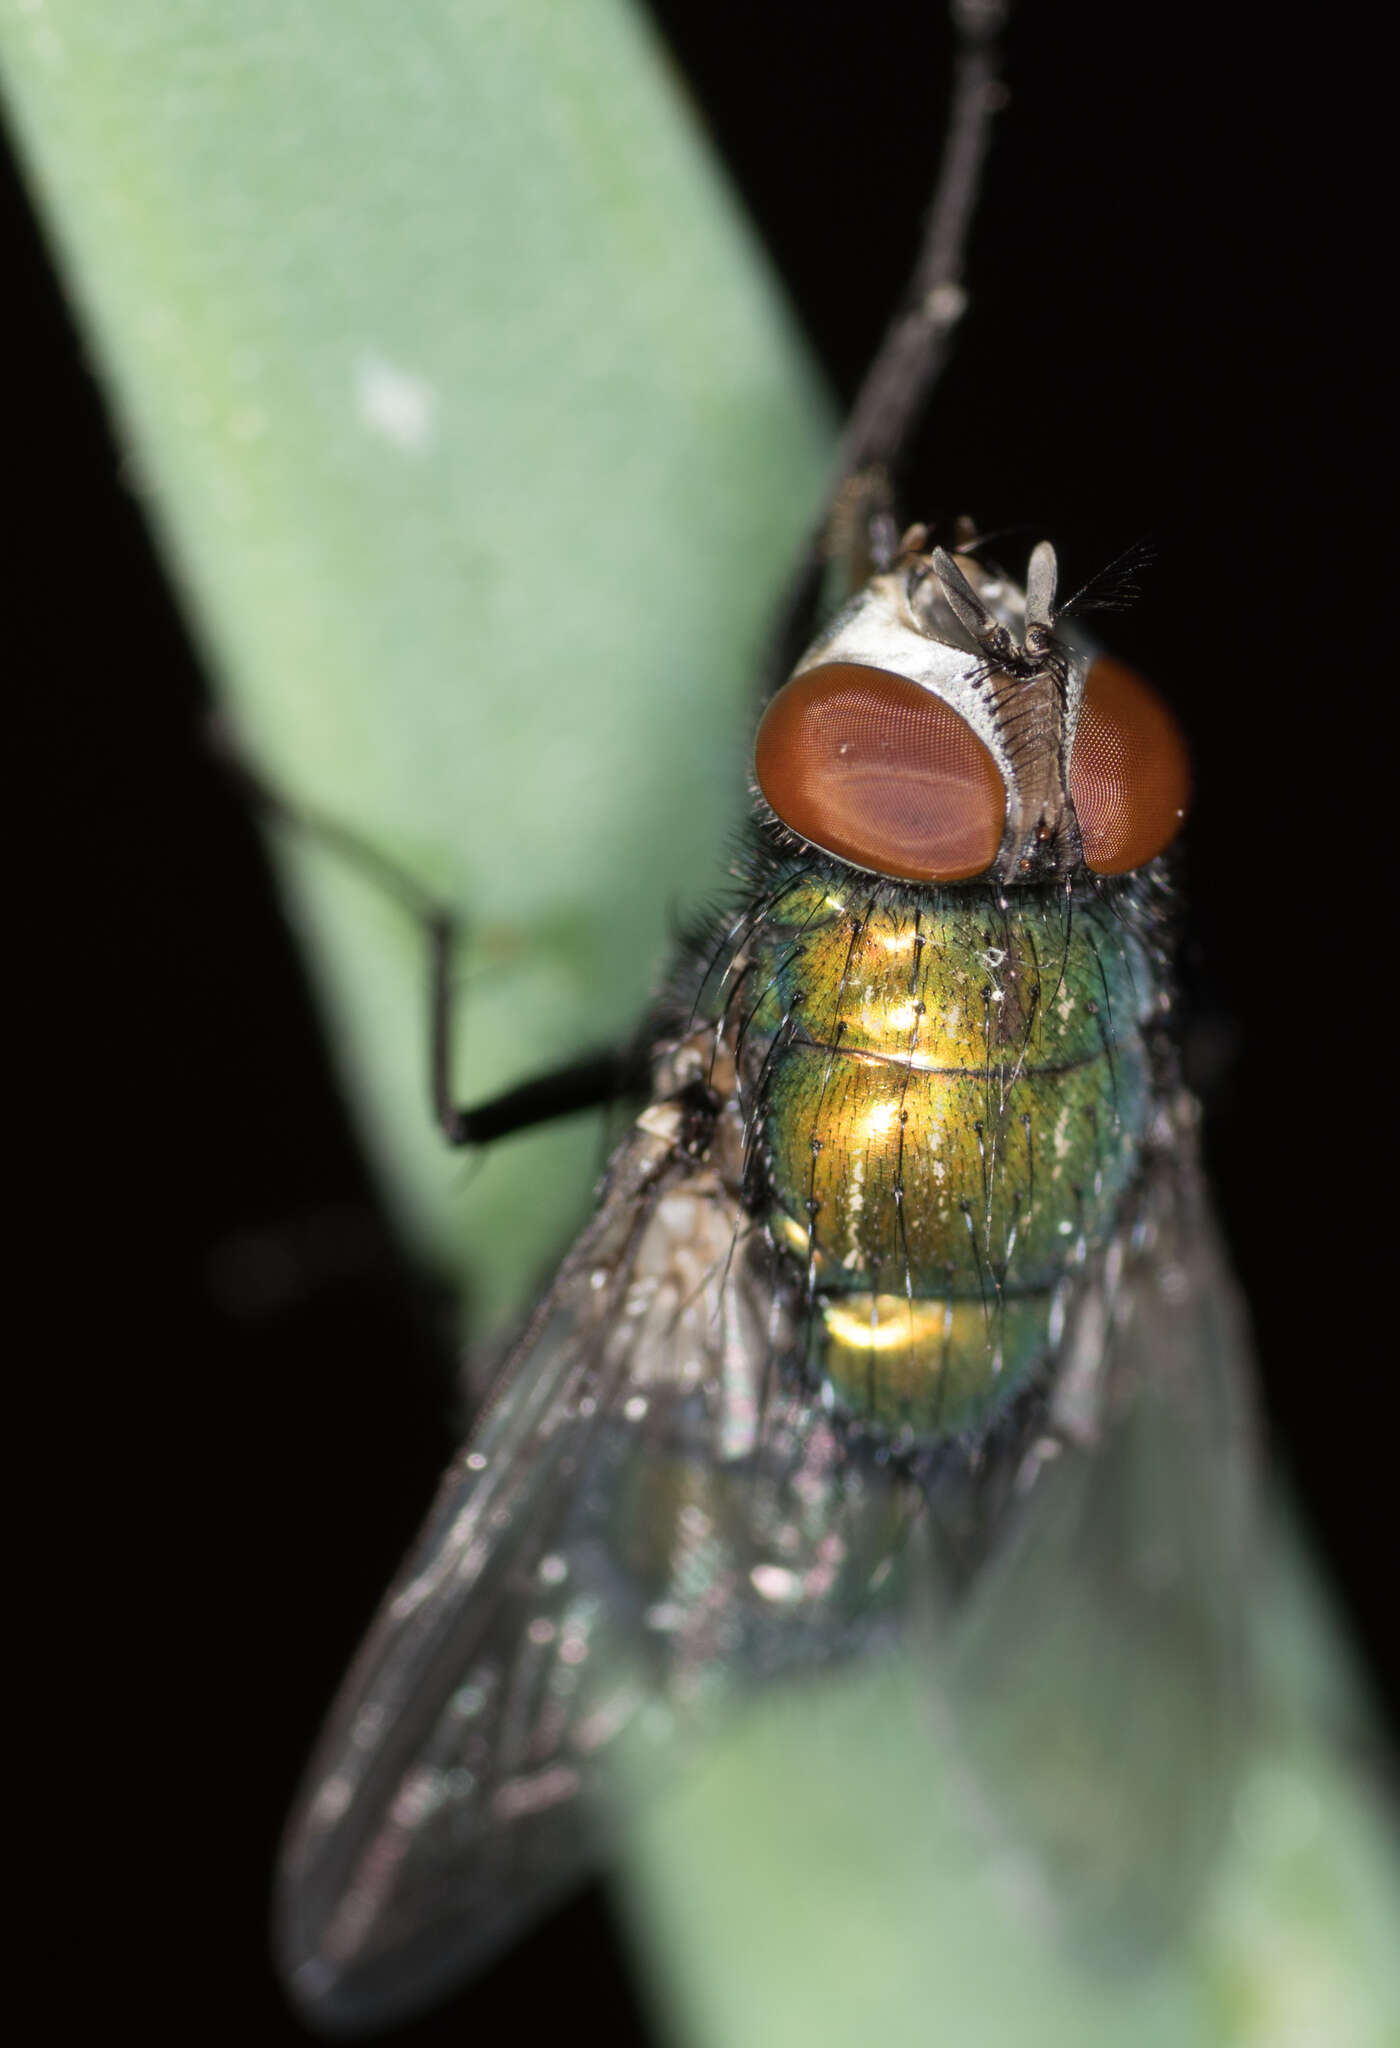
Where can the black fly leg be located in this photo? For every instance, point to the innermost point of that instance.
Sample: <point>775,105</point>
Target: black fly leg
<point>911,355</point>
<point>857,521</point>
<point>595,1081</point>
<point>862,529</point>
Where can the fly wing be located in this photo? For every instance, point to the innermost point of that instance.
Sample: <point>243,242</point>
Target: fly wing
<point>1098,1678</point>
<point>638,1526</point>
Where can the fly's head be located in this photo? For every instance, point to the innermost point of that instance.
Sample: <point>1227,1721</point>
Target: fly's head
<point>944,728</point>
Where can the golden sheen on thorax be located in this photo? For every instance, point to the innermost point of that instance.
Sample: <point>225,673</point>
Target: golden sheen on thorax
<point>955,1109</point>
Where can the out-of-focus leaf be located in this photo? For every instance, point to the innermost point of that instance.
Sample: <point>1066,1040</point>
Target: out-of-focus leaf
<point>476,433</point>
<point>838,1883</point>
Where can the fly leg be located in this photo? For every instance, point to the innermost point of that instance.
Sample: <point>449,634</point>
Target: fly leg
<point>593,1082</point>
<point>857,523</point>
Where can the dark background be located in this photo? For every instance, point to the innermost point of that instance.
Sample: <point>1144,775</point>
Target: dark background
<point>1176,332</point>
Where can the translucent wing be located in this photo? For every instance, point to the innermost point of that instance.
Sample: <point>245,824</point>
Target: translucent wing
<point>1098,1677</point>
<point>638,1527</point>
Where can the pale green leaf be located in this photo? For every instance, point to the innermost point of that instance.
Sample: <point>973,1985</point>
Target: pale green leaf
<point>479,440</point>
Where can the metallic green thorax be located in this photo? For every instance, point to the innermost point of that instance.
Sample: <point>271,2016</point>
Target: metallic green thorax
<point>949,1092</point>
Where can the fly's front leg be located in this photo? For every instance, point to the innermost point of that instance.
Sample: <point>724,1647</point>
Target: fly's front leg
<point>911,356</point>
<point>593,1082</point>
<point>862,529</point>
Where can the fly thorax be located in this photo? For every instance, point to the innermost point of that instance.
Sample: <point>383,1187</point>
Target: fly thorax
<point>948,1097</point>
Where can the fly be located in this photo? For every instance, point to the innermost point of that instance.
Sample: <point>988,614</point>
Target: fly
<point>901,1315</point>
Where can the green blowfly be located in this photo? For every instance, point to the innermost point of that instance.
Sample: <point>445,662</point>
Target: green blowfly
<point>902,1314</point>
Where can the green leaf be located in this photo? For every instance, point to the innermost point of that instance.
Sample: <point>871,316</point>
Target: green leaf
<point>827,1879</point>
<point>478,438</point>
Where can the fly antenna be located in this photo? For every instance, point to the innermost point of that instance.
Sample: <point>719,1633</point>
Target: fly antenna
<point>995,640</point>
<point>968,608</point>
<point>1042,573</point>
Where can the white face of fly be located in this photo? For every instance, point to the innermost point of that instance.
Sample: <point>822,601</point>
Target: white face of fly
<point>986,647</point>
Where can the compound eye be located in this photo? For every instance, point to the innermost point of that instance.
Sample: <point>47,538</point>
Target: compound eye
<point>1129,775</point>
<point>869,766</point>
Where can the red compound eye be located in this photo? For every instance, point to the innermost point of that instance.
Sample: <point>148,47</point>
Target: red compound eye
<point>1129,776</point>
<point>869,766</point>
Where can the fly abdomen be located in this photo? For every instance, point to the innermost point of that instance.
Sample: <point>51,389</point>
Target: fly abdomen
<point>953,1097</point>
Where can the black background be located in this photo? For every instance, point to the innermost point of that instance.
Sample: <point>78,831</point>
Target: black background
<point>1177,332</point>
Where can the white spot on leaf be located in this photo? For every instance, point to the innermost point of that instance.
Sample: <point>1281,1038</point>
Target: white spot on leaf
<point>395,404</point>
